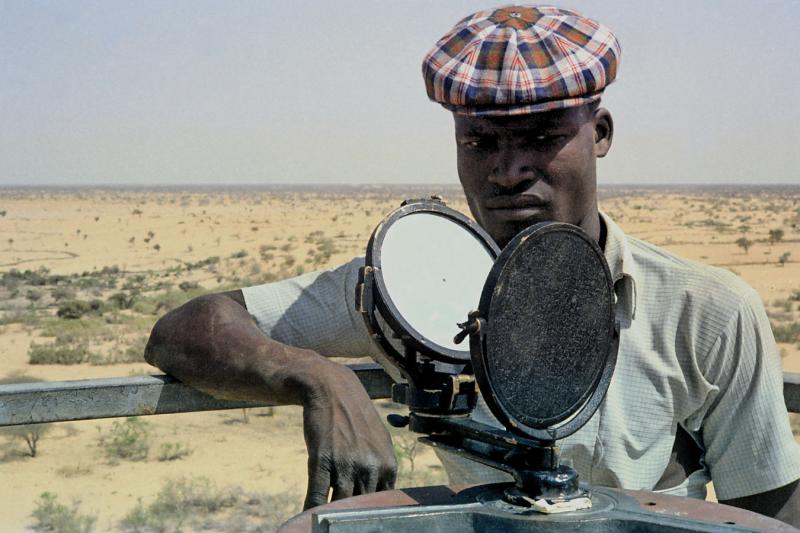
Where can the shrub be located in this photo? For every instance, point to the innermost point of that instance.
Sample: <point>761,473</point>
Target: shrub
<point>175,502</point>
<point>63,293</point>
<point>127,440</point>
<point>50,515</point>
<point>786,332</point>
<point>14,278</point>
<point>121,300</point>
<point>775,235</point>
<point>74,309</point>
<point>325,248</point>
<point>62,351</point>
<point>170,451</point>
<point>134,282</point>
<point>207,262</point>
<point>33,295</point>
<point>186,286</point>
<point>197,504</point>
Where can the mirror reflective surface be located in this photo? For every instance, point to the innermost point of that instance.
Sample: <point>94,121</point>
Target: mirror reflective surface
<point>434,270</point>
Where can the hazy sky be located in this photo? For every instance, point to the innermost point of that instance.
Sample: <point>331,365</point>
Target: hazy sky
<point>200,92</point>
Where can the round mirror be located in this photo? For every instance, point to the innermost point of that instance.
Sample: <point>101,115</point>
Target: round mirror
<point>547,350</point>
<point>429,264</point>
<point>433,272</point>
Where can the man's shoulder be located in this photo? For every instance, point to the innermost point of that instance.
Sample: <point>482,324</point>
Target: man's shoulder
<point>672,276</point>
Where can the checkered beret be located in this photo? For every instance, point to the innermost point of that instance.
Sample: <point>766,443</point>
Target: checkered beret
<point>520,59</point>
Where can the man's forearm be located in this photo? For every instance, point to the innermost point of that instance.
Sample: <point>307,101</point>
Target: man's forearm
<point>213,344</point>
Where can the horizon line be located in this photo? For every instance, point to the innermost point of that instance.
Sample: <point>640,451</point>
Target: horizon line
<point>328,184</point>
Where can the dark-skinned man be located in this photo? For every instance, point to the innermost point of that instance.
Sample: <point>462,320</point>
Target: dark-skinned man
<point>697,391</point>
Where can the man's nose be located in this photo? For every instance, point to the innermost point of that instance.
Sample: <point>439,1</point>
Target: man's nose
<point>510,172</point>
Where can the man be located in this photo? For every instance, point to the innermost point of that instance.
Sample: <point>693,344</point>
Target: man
<point>697,392</point>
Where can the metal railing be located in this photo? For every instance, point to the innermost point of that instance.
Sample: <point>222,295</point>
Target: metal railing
<point>60,401</point>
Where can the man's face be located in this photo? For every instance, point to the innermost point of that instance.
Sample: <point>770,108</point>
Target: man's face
<point>520,170</point>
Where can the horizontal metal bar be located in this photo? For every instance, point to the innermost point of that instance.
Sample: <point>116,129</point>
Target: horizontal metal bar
<point>59,401</point>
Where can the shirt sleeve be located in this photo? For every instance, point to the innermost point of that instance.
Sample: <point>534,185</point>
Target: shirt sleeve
<point>314,311</point>
<point>749,446</point>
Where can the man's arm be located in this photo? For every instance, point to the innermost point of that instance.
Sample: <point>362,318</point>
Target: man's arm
<point>782,503</point>
<point>748,442</point>
<point>213,344</point>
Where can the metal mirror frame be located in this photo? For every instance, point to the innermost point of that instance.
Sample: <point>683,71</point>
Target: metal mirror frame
<point>593,396</point>
<point>383,302</point>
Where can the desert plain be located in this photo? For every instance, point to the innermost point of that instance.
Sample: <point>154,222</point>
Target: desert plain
<point>84,274</point>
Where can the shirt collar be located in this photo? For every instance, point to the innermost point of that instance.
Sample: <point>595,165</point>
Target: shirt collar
<point>620,262</point>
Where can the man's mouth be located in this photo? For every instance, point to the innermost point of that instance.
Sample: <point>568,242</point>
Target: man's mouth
<point>516,208</point>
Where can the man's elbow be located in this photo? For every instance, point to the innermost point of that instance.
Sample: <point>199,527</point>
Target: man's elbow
<point>183,333</point>
<point>155,344</point>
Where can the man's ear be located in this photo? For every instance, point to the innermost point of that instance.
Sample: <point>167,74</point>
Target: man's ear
<point>603,131</point>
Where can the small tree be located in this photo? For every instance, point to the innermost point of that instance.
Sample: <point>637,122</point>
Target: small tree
<point>775,235</point>
<point>405,449</point>
<point>744,243</point>
<point>784,258</point>
<point>30,433</point>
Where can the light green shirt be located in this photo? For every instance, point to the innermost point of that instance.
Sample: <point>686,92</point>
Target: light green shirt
<point>696,349</point>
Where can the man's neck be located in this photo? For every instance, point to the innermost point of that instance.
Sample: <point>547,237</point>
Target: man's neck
<point>594,227</point>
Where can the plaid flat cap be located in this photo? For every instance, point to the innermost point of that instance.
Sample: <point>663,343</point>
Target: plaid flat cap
<point>515,60</point>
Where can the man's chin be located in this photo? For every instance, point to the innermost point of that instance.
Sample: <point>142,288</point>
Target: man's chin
<point>503,231</point>
<point>502,235</point>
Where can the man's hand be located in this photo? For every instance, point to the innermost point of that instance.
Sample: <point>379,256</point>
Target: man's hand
<point>349,448</point>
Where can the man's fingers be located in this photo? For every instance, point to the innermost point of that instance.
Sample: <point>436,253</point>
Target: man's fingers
<point>367,481</point>
<point>342,488</point>
<point>319,481</point>
<point>387,479</point>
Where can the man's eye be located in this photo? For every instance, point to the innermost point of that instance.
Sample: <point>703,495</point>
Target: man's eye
<point>547,139</point>
<point>474,144</point>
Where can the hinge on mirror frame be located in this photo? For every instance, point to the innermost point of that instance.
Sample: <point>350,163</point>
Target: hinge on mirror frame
<point>364,290</point>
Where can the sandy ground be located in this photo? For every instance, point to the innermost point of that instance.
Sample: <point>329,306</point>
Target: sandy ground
<point>257,235</point>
